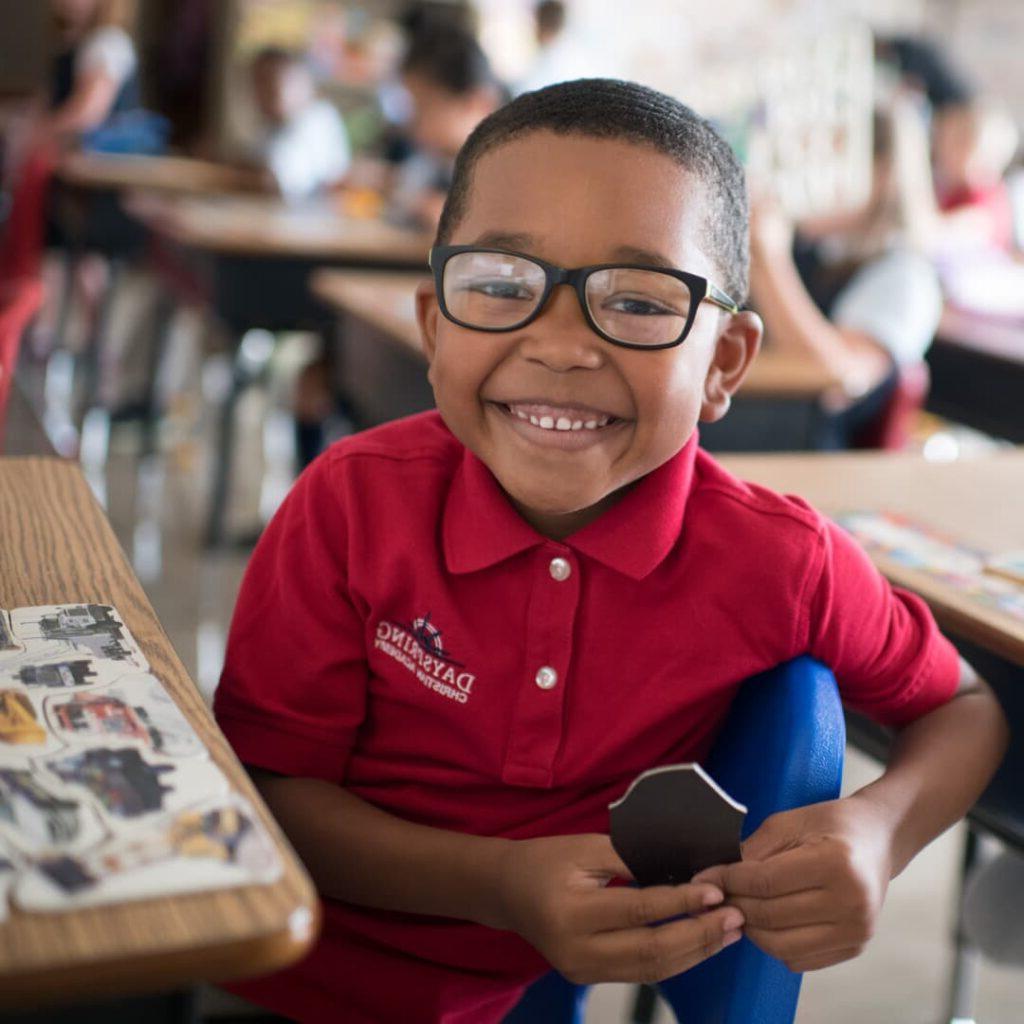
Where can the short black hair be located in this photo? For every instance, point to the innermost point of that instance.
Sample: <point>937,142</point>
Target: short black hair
<point>449,57</point>
<point>277,57</point>
<point>611,109</point>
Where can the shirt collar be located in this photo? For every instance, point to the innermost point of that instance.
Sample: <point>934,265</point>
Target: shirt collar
<point>481,527</point>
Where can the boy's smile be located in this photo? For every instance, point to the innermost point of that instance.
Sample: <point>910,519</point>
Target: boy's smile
<point>564,419</point>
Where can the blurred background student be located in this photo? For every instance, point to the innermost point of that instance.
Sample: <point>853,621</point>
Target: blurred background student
<point>451,88</point>
<point>559,57</point>
<point>302,142</point>
<point>855,293</point>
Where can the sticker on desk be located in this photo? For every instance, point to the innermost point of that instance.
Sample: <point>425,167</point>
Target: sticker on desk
<point>6,634</point>
<point>134,708</point>
<point>214,845</point>
<point>7,876</point>
<point>95,630</point>
<point>925,550</point>
<point>107,793</point>
<point>37,814</point>
<point>128,786</point>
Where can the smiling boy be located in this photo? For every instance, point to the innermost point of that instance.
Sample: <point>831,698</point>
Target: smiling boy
<point>465,633</point>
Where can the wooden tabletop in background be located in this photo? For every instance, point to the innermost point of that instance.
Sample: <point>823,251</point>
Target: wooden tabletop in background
<point>385,301</point>
<point>57,547</point>
<point>265,226</point>
<point>978,502</point>
<point>168,174</point>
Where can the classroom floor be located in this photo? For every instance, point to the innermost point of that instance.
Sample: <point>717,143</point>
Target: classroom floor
<point>156,507</point>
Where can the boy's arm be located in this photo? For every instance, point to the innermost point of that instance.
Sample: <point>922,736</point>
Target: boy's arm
<point>812,880</point>
<point>552,891</point>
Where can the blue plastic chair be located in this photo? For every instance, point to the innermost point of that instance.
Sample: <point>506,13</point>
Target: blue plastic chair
<point>782,747</point>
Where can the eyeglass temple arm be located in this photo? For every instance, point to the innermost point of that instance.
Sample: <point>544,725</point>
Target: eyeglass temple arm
<point>719,298</point>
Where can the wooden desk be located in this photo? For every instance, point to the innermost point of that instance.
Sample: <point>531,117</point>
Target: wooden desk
<point>977,367</point>
<point>977,501</point>
<point>22,432</point>
<point>174,175</point>
<point>265,227</point>
<point>59,548</point>
<point>254,256</point>
<point>384,304</point>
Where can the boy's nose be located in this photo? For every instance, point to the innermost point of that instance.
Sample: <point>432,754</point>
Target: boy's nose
<point>560,337</point>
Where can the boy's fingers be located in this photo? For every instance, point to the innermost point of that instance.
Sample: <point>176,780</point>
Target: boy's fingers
<point>795,944</point>
<point>785,873</point>
<point>653,954</point>
<point>618,908</point>
<point>820,960</point>
<point>792,911</point>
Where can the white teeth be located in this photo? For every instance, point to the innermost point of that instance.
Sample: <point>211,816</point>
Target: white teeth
<point>562,423</point>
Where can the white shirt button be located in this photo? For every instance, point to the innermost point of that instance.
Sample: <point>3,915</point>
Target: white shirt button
<point>546,677</point>
<point>560,569</point>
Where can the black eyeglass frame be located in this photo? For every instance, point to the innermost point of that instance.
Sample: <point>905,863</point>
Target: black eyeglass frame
<point>700,289</point>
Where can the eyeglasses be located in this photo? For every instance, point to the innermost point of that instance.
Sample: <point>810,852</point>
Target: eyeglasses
<point>626,304</point>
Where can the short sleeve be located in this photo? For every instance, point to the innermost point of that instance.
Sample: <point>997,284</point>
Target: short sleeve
<point>881,642</point>
<point>293,690</point>
<point>109,50</point>
<point>895,299</point>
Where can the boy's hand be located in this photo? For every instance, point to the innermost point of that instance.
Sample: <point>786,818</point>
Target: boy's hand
<point>811,882</point>
<point>556,896</point>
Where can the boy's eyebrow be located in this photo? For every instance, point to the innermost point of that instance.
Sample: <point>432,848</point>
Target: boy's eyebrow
<point>525,243</point>
<point>505,240</point>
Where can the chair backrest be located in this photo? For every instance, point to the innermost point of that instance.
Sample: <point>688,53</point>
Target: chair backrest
<point>20,300</point>
<point>892,429</point>
<point>782,747</point>
<point>23,239</point>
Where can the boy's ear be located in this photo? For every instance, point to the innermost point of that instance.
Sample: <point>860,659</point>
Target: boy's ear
<point>737,344</point>
<point>427,313</point>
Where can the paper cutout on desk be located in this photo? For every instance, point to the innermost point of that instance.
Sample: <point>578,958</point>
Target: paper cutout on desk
<point>7,876</point>
<point>1009,564</point>
<point>674,821</point>
<point>106,791</point>
<point>210,846</point>
<point>136,707</point>
<point>93,629</point>
<point>925,550</point>
<point>7,642</point>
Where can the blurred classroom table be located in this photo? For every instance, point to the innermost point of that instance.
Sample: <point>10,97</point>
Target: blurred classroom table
<point>976,502</point>
<point>381,368</point>
<point>977,369</point>
<point>66,552</point>
<point>176,175</point>
<point>253,257</point>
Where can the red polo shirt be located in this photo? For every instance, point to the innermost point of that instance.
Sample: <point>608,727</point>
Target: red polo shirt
<point>401,631</point>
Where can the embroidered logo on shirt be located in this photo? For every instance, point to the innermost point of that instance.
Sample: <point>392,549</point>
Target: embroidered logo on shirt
<point>419,647</point>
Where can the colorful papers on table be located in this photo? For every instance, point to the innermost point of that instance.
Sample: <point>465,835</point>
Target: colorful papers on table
<point>957,565</point>
<point>106,791</point>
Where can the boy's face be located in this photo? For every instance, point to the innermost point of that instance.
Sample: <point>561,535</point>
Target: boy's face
<point>574,201</point>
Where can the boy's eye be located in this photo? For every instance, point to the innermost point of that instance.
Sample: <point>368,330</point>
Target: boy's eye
<point>638,305</point>
<point>500,289</point>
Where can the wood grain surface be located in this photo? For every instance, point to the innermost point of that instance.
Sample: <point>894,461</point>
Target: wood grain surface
<point>974,501</point>
<point>385,301</point>
<point>57,547</point>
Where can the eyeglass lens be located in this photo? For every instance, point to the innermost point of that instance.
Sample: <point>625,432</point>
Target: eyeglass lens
<point>493,290</point>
